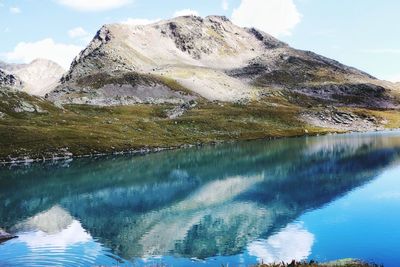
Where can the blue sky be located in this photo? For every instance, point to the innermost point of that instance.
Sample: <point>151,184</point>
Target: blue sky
<point>360,33</point>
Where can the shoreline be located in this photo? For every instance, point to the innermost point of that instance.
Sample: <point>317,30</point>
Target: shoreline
<point>150,150</point>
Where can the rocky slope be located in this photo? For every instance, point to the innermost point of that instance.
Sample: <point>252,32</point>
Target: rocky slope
<point>39,77</point>
<point>9,80</point>
<point>210,58</point>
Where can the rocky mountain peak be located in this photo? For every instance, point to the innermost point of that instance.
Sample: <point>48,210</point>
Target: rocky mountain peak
<point>213,41</point>
<point>209,57</point>
<point>38,77</point>
<point>218,17</point>
<point>213,34</point>
<point>43,62</point>
<point>102,37</point>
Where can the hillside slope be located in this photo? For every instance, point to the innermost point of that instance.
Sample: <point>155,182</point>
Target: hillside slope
<point>188,81</point>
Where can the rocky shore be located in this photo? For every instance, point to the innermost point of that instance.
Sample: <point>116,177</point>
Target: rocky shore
<point>337,263</point>
<point>4,236</point>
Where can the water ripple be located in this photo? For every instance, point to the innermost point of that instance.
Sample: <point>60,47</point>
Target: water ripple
<point>46,256</point>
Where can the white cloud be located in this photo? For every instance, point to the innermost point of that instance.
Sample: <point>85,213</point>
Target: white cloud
<point>74,234</point>
<point>94,5</point>
<point>394,78</point>
<point>276,17</point>
<point>25,52</point>
<point>382,51</point>
<point>292,243</point>
<point>225,5</point>
<point>15,10</point>
<point>185,12</point>
<point>390,195</point>
<point>132,21</point>
<point>77,32</point>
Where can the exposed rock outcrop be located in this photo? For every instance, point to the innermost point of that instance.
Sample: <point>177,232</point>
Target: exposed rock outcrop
<point>4,236</point>
<point>333,118</point>
<point>9,80</point>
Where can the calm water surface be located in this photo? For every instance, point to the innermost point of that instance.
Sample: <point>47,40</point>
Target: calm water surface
<point>319,198</point>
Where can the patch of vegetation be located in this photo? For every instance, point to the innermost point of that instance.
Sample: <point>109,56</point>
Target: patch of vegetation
<point>391,118</point>
<point>339,263</point>
<point>12,100</point>
<point>173,84</point>
<point>84,129</point>
<point>99,80</point>
<point>290,76</point>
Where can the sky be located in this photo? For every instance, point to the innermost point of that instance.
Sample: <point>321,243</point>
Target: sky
<point>360,33</point>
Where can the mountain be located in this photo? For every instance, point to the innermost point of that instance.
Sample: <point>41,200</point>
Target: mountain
<point>17,84</point>
<point>39,77</point>
<point>184,81</point>
<point>208,58</point>
<point>14,102</point>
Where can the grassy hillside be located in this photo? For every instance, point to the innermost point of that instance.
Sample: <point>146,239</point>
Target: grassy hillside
<point>340,263</point>
<point>35,128</point>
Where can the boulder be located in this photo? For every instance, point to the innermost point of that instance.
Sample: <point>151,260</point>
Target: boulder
<point>4,236</point>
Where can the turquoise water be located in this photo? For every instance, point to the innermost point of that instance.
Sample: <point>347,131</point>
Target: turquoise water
<point>320,198</point>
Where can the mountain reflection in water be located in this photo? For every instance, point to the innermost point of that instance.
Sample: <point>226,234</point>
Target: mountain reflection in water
<point>193,203</point>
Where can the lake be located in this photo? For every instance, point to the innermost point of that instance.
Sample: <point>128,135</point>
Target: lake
<point>321,198</point>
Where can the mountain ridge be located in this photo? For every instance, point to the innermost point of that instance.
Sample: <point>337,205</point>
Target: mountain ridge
<point>210,57</point>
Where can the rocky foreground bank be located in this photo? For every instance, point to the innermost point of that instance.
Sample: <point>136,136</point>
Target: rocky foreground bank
<point>338,263</point>
<point>4,236</point>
